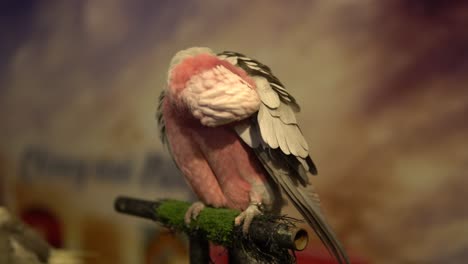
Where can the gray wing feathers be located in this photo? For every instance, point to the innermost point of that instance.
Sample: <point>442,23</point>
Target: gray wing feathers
<point>160,117</point>
<point>281,136</point>
<point>304,199</point>
<point>162,124</point>
<point>267,127</point>
<point>268,96</point>
<point>285,113</point>
<point>282,149</point>
<point>277,122</point>
<point>248,133</point>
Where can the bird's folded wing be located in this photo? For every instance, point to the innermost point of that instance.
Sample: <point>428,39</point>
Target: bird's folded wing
<point>219,96</point>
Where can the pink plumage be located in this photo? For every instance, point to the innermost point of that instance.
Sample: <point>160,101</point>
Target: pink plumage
<point>231,129</point>
<point>216,164</point>
<point>197,64</point>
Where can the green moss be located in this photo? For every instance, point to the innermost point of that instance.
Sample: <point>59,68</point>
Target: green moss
<point>171,213</point>
<point>217,224</point>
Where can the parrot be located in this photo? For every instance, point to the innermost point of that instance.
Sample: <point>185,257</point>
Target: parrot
<point>230,126</point>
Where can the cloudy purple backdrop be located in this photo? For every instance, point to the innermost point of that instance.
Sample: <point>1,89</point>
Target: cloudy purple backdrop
<point>382,84</point>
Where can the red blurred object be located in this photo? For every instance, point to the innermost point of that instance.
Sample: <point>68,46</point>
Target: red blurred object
<point>309,255</point>
<point>321,256</point>
<point>46,223</point>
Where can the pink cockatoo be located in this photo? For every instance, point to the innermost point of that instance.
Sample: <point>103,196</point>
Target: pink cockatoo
<point>231,128</point>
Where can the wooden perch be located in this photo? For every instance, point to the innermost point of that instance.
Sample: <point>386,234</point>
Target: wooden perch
<point>217,224</point>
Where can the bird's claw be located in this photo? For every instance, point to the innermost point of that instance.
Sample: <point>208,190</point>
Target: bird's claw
<point>193,211</point>
<point>247,216</point>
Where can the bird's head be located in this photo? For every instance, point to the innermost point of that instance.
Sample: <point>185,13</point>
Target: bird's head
<point>187,63</point>
<point>191,63</point>
<point>180,56</point>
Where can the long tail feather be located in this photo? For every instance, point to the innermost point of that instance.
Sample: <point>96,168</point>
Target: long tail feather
<point>306,203</point>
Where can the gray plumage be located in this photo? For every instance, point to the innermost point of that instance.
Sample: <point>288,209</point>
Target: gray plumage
<point>19,243</point>
<point>282,149</point>
<point>160,118</point>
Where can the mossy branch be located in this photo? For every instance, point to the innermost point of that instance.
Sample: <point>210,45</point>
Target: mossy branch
<point>217,224</point>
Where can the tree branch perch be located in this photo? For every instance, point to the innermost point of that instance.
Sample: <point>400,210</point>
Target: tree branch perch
<point>217,224</point>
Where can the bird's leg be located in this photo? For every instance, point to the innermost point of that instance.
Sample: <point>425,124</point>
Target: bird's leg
<point>260,200</point>
<point>254,209</point>
<point>193,212</point>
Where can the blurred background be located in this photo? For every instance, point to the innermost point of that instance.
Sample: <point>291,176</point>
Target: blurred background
<point>383,89</point>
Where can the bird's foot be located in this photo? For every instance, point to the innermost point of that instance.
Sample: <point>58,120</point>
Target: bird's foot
<point>247,216</point>
<point>193,212</point>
